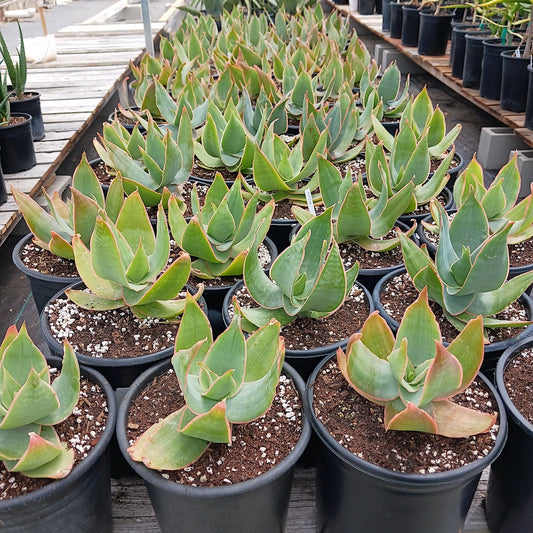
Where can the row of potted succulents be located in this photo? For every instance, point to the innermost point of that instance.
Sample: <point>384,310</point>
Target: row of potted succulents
<point>135,245</point>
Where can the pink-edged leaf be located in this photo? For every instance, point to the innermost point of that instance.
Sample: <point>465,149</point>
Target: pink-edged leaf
<point>412,418</point>
<point>444,376</point>
<point>377,336</point>
<point>467,347</point>
<point>457,421</point>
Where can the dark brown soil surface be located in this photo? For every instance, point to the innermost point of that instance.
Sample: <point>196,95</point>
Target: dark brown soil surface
<point>81,431</point>
<point>104,175</point>
<point>357,424</point>
<point>400,292</point>
<point>209,173</point>
<point>518,377</point>
<point>351,252</point>
<point>112,334</point>
<point>256,447</point>
<point>45,262</point>
<point>307,333</point>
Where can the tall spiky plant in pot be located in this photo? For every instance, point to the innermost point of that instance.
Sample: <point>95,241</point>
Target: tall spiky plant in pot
<point>406,419</point>
<point>21,100</point>
<point>221,450</point>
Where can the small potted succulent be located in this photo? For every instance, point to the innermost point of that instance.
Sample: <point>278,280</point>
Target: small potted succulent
<point>362,225</point>
<point>501,205</point>
<point>43,412</point>
<point>469,276</point>
<point>17,152</point>
<point>48,260</point>
<point>223,228</point>
<point>216,438</point>
<point>308,290</point>
<point>398,425</point>
<point>409,160</point>
<point>22,101</point>
<point>129,287</point>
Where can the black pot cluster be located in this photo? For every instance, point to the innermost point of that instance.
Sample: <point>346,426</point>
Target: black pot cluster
<point>498,70</point>
<point>418,27</point>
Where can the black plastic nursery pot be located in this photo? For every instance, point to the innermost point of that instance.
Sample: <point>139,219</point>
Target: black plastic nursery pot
<point>16,146</point>
<point>31,105</point>
<point>385,11</point>
<point>3,189</point>
<point>366,7</point>
<point>81,501</point>
<point>509,499</point>
<point>279,231</point>
<point>434,34</point>
<point>352,492</point>
<point>493,351</point>
<point>473,58</point>
<point>490,83</point>
<point>257,505</point>
<point>458,46</point>
<point>43,286</point>
<point>528,122</point>
<point>515,80</point>
<point>410,25</point>
<point>396,20</point>
<point>303,361</point>
<point>119,372</point>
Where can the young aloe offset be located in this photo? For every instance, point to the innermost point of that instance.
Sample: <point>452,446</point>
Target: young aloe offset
<point>469,275</point>
<point>222,231</point>
<point>307,279</point>
<point>414,376</point>
<point>499,199</point>
<point>127,265</point>
<point>409,160</point>
<point>30,406</point>
<point>423,119</point>
<point>231,380</point>
<point>153,163</point>
<point>356,217</point>
<point>55,227</point>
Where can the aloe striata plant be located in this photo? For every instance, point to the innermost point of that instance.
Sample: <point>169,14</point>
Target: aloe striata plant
<point>222,231</point>
<point>31,404</point>
<point>231,380</point>
<point>357,218</point>
<point>414,376</point>
<point>154,164</point>
<point>469,275</point>
<point>127,265</point>
<point>54,229</point>
<point>307,279</point>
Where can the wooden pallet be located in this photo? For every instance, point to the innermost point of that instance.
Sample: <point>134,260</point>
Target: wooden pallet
<point>133,512</point>
<point>92,60</point>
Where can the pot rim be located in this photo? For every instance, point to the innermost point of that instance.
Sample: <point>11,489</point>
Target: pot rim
<point>408,479</point>
<point>207,493</point>
<point>60,485</point>
<point>35,273</point>
<point>505,359</point>
<point>311,352</point>
<point>488,348</point>
<point>100,362</point>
